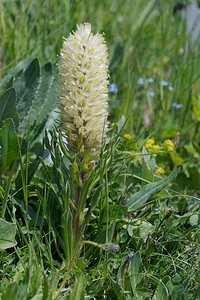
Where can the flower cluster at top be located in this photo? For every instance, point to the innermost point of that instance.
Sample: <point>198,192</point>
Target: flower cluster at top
<point>82,83</point>
<point>168,146</point>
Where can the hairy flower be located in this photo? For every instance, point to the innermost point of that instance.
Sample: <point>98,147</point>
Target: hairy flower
<point>83,80</point>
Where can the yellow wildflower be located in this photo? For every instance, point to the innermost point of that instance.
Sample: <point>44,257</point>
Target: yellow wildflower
<point>150,142</point>
<point>115,124</point>
<point>155,148</point>
<point>127,136</point>
<point>168,145</point>
<point>160,171</point>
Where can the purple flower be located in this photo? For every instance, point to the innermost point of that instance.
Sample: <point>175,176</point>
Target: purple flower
<point>114,88</point>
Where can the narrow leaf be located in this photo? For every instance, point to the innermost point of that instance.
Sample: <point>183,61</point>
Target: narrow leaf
<point>136,271</point>
<point>149,190</point>
<point>68,236</point>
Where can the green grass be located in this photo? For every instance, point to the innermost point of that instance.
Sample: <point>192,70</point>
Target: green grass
<point>39,258</point>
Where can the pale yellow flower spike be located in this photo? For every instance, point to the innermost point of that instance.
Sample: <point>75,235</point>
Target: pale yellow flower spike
<point>82,83</point>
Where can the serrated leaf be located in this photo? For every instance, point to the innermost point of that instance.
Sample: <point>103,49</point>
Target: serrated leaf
<point>7,234</point>
<point>149,190</point>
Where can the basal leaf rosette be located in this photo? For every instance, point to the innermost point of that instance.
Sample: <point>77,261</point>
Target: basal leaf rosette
<point>82,82</point>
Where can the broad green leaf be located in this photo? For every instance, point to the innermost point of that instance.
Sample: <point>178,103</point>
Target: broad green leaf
<point>174,235</point>
<point>46,96</point>
<point>7,234</point>
<point>161,293</point>
<point>11,292</point>
<point>136,271</point>
<point>7,82</point>
<point>150,190</point>
<point>194,220</point>
<point>8,105</point>
<point>36,97</point>
<point>9,144</point>
<point>78,290</point>
<point>145,229</point>
<point>26,87</point>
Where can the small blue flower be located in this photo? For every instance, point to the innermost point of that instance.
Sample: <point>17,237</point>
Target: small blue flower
<point>140,81</point>
<point>151,94</point>
<point>170,88</point>
<point>150,80</point>
<point>114,88</point>
<point>164,83</point>
<point>177,105</point>
<point>130,256</point>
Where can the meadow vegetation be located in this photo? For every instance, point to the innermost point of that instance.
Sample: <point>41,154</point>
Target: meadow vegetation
<point>138,210</point>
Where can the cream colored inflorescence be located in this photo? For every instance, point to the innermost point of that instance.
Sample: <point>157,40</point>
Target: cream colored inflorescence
<point>83,80</point>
